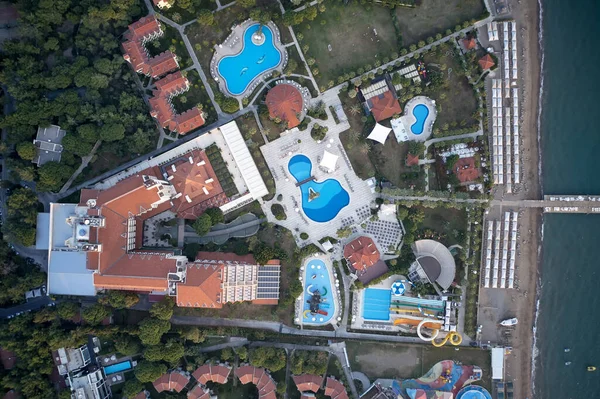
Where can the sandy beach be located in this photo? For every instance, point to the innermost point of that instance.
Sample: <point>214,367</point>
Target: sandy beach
<point>519,363</point>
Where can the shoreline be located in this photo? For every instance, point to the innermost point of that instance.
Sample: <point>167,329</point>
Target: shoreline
<point>520,364</point>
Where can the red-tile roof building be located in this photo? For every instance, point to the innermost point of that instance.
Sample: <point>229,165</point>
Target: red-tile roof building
<point>469,43</point>
<point>465,170</point>
<point>199,392</point>
<point>173,381</point>
<point>134,51</point>
<point>364,259</point>
<point>259,377</point>
<point>218,373</point>
<point>486,62</point>
<point>335,389</point>
<point>383,106</point>
<point>308,382</point>
<point>285,102</point>
<point>162,109</point>
<point>412,160</point>
<point>107,229</point>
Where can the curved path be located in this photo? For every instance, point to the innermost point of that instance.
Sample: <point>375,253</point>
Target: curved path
<point>364,380</point>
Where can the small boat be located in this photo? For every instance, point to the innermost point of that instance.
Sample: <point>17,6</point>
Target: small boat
<point>567,350</point>
<point>567,363</point>
<point>591,368</point>
<point>509,322</point>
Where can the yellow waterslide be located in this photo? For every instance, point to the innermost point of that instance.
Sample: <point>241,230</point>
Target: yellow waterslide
<point>415,322</point>
<point>454,338</point>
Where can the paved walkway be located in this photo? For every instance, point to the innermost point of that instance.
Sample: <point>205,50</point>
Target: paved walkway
<point>231,231</point>
<point>364,380</point>
<point>473,135</point>
<point>84,163</point>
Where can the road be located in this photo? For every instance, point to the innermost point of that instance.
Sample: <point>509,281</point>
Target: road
<point>429,198</point>
<point>34,304</point>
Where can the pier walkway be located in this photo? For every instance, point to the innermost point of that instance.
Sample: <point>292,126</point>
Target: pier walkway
<point>557,203</point>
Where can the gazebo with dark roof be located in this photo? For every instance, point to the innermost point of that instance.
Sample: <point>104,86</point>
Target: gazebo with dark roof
<point>285,102</point>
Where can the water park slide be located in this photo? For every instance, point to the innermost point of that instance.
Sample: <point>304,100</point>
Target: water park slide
<point>454,338</point>
<point>432,324</point>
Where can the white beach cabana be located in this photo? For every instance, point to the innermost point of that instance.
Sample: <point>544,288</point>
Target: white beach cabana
<point>379,133</point>
<point>328,161</point>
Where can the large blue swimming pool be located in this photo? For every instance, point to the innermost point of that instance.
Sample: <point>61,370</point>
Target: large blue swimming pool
<point>421,112</point>
<point>316,278</point>
<point>332,197</point>
<point>241,69</point>
<point>118,367</point>
<point>376,304</point>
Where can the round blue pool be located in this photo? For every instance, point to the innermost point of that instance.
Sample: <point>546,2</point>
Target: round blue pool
<point>473,392</point>
<point>328,197</point>
<point>421,112</point>
<point>239,70</point>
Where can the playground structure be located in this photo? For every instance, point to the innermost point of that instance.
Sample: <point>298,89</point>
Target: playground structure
<point>444,376</point>
<point>318,304</point>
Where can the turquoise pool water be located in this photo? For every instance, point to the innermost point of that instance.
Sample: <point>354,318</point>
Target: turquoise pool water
<point>421,112</point>
<point>118,367</point>
<point>376,304</point>
<point>316,278</point>
<point>473,392</point>
<point>332,197</point>
<point>241,69</point>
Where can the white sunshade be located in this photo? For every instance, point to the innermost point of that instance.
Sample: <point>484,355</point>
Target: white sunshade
<point>379,133</point>
<point>329,160</point>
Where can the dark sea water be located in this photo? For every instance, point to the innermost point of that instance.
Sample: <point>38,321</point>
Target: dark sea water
<point>570,133</point>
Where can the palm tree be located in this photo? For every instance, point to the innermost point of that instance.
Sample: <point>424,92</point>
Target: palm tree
<point>355,109</point>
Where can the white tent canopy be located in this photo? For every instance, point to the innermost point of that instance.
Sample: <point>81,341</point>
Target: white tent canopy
<point>379,133</point>
<point>329,160</point>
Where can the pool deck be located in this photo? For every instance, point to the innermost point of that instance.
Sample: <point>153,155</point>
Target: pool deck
<point>358,322</point>
<point>408,119</point>
<point>234,44</point>
<point>335,293</point>
<point>277,153</point>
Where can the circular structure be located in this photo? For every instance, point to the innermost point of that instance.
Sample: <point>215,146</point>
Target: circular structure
<point>473,392</point>
<point>285,102</point>
<point>258,38</point>
<point>398,288</point>
<point>434,263</point>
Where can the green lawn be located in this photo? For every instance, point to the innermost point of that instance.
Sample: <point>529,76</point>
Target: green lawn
<point>173,41</point>
<point>450,224</point>
<point>350,30</point>
<point>455,98</point>
<point>195,95</point>
<point>435,16</point>
<point>389,160</point>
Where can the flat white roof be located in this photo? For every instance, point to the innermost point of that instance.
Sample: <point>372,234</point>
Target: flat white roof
<point>60,231</point>
<point>42,234</point>
<point>497,363</point>
<point>68,275</point>
<point>245,163</point>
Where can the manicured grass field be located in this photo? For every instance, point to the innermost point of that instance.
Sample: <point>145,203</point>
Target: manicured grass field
<point>435,16</point>
<point>350,30</point>
<point>390,161</point>
<point>353,140</point>
<point>449,223</point>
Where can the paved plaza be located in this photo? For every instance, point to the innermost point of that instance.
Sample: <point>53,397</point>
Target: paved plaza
<point>279,152</point>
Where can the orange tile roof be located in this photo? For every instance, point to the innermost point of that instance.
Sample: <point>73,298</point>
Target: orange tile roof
<point>141,395</point>
<point>163,63</point>
<point>308,382</point>
<point>173,381</point>
<point>486,62</point>
<point>135,54</point>
<point>285,102</point>
<point>469,43</point>
<point>161,109</point>
<point>144,27</point>
<point>465,170</point>
<point>259,377</point>
<point>245,373</point>
<point>172,83</point>
<point>335,389</point>
<point>212,372</point>
<point>412,160</point>
<point>384,106</point>
<point>188,121</point>
<point>361,253</point>
<point>199,392</point>
<point>202,287</point>
<point>191,180</point>
<point>130,284</point>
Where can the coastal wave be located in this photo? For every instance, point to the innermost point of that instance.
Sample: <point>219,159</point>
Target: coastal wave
<point>540,98</point>
<point>535,350</point>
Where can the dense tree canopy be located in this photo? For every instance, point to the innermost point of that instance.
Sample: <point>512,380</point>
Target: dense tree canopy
<point>163,310</point>
<point>147,371</point>
<point>203,224</point>
<point>119,299</point>
<point>152,330</point>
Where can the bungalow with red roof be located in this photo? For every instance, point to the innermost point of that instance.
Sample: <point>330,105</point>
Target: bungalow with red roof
<point>335,389</point>
<point>308,382</point>
<point>259,377</point>
<point>135,53</point>
<point>364,259</point>
<point>163,111</point>
<point>173,381</point>
<point>486,62</point>
<point>381,99</point>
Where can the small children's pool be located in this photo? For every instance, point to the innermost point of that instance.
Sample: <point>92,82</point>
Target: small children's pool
<point>319,305</point>
<point>473,392</point>
<point>376,304</point>
<point>421,112</point>
<point>118,367</point>
<point>321,201</point>
<point>239,70</point>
